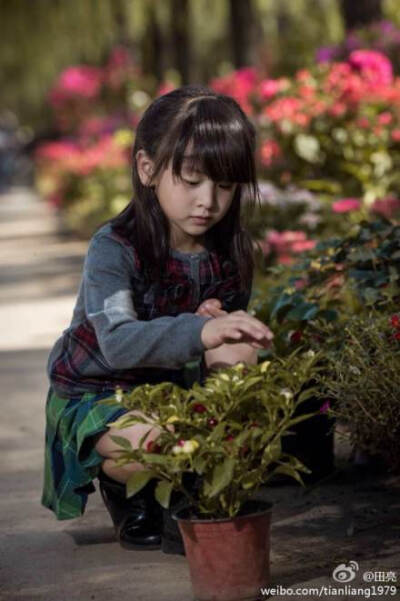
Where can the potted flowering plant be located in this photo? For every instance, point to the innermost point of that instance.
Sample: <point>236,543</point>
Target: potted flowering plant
<point>228,434</point>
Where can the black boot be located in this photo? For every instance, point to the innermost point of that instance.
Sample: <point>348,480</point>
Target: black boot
<point>171,538</point>
<point>137,520</point>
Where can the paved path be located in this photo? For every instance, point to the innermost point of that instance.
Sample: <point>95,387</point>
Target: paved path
<point>42,559</point>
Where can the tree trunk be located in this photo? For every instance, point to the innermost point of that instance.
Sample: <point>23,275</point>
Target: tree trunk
<point>180,28</point>
<point>152,44</point>
<point>242,25</point>
<point>357,13</point>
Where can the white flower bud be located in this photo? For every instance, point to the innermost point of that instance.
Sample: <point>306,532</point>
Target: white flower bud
<point>286,393</point>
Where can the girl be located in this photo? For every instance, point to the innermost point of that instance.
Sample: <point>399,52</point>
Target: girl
<point>163,297</point>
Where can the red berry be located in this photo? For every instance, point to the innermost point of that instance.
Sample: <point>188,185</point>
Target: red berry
<point>212,422</point>
<point>396,335</point>
<point>199,408</point>
<point>153,447</point>
<point>230,437</point>
<point>181,443</point>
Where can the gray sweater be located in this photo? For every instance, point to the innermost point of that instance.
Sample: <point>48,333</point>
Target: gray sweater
<point>122,326</point>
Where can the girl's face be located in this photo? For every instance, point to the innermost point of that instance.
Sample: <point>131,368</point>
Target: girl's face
<point>192,205</point>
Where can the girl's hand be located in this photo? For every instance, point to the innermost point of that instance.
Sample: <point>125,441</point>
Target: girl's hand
<point>238,326</point>
<point>210,308</point>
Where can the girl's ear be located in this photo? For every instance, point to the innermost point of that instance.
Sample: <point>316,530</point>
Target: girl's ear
<point>144,166</point>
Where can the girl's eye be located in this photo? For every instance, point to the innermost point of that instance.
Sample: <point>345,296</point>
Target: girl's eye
<point>223,186</point>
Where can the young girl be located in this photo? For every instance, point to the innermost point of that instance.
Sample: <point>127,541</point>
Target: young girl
<point>163,297</point>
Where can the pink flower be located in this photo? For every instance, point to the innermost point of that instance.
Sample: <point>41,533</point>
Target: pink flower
<point>385,118</point>
<point>283,108</point>
<point>78,81</point>
<point>303,75</point>
<point>374,66</point>
<point>164,88</point>
<point>270,152</point>
<point>386,206</point>
<point>57,151</point>
<point>338,109</point>
<point>363,122</point>
<point>303,245</point>
<point>396,135</point>
<point>269,88</point>
<point>346,205</point>
<point>120,57</point>
<point>239,84</point>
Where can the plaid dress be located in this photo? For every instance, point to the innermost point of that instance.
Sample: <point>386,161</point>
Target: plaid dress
<point>80,374</point>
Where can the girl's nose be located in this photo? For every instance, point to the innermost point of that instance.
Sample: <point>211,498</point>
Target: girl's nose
<point>208,195</point>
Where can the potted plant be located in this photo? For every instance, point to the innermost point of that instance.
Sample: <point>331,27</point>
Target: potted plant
<point>228,434</point>
<point>363,379</point>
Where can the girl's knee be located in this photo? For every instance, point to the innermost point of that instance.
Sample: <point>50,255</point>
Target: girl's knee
<point>108,448</point>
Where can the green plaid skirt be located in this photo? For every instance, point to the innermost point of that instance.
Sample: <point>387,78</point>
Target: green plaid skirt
<point>71,462</point>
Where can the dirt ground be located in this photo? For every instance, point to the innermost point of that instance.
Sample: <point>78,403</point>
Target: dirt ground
<point>351,515</point>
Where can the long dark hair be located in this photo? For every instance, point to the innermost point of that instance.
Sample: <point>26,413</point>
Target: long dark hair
<point>224,143</point>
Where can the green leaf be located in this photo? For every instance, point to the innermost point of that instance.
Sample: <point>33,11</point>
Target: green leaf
<point>242,437</point>
<point>303,312</point>
<point>156,458</point>
<point>288,471</point>
<point>272,452</point>
<point>371,295</point>
<point>328,315</point>
<point>217,433</point>
<point>251,479</point>
<point>122,442</point>
<point>199,463</point>
<point>307,394</point>
<point>222,476</point>
<point>163,493</point>
<point>301,418</point>
<point>137,481</point>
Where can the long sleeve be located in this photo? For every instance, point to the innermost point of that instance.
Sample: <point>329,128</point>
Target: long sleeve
<point>126,342</point>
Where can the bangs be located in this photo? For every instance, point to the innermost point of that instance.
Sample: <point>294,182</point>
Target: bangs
<point>214,141</point>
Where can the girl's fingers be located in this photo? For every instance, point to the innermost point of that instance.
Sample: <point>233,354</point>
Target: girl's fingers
<point>249,319</point>
<point>211,312</point>
<point>246,333</point>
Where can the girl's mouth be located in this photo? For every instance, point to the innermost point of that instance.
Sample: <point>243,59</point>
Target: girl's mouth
<point>201,220</point>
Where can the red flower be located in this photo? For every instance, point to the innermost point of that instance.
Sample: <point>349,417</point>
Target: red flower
<point>230,437</point>
<point>296,336</point>
<point>395,321</point>
<point>199,408</point>
<point>212,422</point>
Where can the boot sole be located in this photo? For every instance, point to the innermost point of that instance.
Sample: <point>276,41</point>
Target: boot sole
<point>171,547</point>
<point>133,547</point>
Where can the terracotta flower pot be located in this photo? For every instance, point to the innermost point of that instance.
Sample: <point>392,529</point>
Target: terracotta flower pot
<point>228,558</point>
